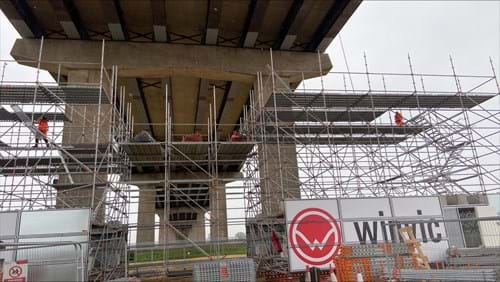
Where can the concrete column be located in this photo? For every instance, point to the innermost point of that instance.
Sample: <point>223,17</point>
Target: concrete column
<point>218,208</point>
<point>277,163</point>
<point>146,214</point>
<point>279,180</point>
<point>82,129</point>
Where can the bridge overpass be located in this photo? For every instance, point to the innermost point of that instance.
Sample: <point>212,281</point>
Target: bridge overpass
<point>191,47</point>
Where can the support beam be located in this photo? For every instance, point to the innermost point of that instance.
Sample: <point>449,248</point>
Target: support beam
<point>236,99</point>
<point>256,11</point>
<point>159,14</point>
<point>62,15</point>
<point>224,100</point>
<point>114,14</point>
<point>287,23</point>
<point>133,96</point>
<point>213,18</point>
<point>331,24</point>
<point>76,19</point>
<point>24,10</point>
<point>146,109</point>
<point>201,106</point>
<point>121,18</point>
<point>297,24</point>
<point>151,60</point>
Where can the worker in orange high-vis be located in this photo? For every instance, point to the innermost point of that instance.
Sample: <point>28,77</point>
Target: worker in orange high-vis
<point>43,127</point>
<point>398,118</point>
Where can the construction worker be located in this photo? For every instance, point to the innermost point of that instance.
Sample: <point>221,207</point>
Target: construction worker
<point>235,136</point>
<point>43,128</point>
<point>398,118</point>
<point>195,137</point>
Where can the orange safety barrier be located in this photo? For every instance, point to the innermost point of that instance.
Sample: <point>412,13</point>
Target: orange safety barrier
<point>347,267</point>
<point>347,264</point>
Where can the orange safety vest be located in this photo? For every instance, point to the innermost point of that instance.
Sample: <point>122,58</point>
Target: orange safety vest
<point>398,117</point>
<point>43,126</point>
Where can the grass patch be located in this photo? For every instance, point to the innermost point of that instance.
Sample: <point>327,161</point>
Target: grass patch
<point>186,253</point>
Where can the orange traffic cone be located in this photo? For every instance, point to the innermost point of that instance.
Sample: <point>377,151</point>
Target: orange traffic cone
<point>359,275</point>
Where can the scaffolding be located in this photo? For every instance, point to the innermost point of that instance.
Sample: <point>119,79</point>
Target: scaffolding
<point>78,162</point>
<point>188,192</point>
<point>336,136</point>
<point>343,129</point>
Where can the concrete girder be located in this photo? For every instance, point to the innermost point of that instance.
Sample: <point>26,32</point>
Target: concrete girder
<point>154,96</point>
<point>17,20</point>
<point>339,23</point>
<point>159,14</point>
<point>202,106</point>
<point>237,97</point>
<point>112,10</point>
<point>61,13</point>
<point>256,12</point>
<point>214,15</point>
<point>152,60</point>
<point>334,20</point>
<point>298,21</point>
<point>132,95</point>
<point>184,99</point>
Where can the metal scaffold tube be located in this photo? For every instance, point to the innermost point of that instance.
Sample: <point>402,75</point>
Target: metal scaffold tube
<point>69,173</point>
<point>349,145</point>
<point>384,135</point>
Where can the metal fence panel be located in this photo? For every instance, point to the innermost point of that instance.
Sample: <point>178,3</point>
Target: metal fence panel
<point>454,229</point>
<point>8,224</point>
<point>241,269</point>
<point>49,261</point>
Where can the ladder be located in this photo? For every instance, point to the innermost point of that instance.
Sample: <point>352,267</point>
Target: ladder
<point>409,238</point>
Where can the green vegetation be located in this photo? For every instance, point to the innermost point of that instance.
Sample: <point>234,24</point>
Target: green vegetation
<point>185,253</point>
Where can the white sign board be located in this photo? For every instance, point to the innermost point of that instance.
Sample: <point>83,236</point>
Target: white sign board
<point>15,272</point>
<point>317,227</point>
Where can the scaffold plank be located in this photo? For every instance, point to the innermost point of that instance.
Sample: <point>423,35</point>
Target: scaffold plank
<point>8,116</point>
<point>330,140</point>
<point>382,100</point>
<point>78,94</point>
<point>345,129</point>
<point>299,115</point>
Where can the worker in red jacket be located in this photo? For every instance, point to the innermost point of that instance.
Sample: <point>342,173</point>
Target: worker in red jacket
<point>398,118</point>
<point>43,127</point>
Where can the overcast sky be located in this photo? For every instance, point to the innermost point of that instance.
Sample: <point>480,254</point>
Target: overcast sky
<point>387,31</point>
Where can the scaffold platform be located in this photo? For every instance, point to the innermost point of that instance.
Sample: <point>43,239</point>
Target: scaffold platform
<point>70,94</point>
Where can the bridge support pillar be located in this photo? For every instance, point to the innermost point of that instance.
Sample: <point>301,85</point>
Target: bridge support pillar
<point>218,212</point>
<point>82,129</point>
<point>146,214</point>
<point>278,165</point>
